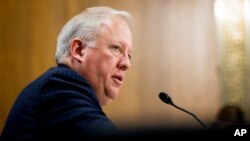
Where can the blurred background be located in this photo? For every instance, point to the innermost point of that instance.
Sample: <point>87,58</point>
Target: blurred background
<point>197,51</point>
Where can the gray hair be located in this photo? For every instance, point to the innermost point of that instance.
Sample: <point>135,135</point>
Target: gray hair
<point>85,26</point>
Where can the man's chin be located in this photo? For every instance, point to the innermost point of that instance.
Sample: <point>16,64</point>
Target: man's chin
<point>105,102</point>
<point>109,98</point>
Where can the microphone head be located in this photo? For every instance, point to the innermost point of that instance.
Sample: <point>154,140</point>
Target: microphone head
<point>165,98</point>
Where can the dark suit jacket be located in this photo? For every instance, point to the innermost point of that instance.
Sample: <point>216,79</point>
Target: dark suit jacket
<point>60,104</point>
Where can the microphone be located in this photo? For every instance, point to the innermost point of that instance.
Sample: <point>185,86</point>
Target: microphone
<point>167,99</point>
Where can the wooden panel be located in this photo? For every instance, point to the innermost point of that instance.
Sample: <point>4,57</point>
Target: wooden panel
<point>174,51</point>
<point>28,39</point>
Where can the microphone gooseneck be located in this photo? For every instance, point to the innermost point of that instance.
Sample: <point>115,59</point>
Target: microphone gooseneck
<point>167,99</point>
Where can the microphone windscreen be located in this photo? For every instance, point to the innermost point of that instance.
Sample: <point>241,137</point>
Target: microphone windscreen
<point>165,98</point>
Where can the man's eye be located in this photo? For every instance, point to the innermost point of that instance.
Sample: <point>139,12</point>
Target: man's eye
<point>115,48</point>
<point>130,57</point>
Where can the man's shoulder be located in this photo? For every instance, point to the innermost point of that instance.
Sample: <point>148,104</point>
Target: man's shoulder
<point>56,78</point>
<point>65,75</point>
<point>62,81</point>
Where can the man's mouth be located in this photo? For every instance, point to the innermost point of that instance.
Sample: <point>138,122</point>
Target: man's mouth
<point>118,79</point>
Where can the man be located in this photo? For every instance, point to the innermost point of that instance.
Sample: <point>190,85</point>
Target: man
<point>93,54</point>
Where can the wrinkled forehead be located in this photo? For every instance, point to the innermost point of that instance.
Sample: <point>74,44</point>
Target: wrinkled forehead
<point>116,29</point>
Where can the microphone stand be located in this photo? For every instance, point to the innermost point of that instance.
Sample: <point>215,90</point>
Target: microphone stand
<point>167,99</point>
<point>188,113</point>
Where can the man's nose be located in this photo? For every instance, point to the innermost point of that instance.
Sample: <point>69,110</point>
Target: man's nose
<point>124,63</point>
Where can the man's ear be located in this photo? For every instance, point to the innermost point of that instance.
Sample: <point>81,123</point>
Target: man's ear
<point>77,49</point>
